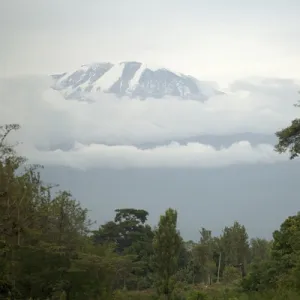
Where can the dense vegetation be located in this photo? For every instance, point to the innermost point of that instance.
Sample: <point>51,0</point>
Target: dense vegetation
<point>48,250</point>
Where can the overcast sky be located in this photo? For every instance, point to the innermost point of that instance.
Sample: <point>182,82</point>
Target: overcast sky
<point>218,40</point>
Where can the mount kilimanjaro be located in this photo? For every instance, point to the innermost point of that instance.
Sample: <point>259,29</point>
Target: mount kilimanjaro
<point>131,79</point>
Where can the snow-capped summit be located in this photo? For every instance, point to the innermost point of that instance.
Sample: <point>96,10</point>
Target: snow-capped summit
<point>132,79</point>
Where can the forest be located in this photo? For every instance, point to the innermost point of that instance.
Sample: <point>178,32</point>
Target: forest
<point>49,249</point>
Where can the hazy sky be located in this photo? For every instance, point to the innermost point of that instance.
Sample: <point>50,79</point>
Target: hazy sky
<point>218,40</point>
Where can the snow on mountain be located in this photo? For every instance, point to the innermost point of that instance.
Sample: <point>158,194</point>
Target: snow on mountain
<point>132,79</point>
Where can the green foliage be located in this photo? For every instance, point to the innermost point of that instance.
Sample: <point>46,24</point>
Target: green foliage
<point>289,139</point>
<point>260,278</point>
<point>231,274</point>
<point>134,295</point>
<point>166,245</point>
<point>197,295</point>
<point>132,238</point>
<point>260,249</point>
<point>236,246</point>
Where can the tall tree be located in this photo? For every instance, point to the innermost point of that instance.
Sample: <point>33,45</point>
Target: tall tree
<point>203,256</point>
<point>236,246</point>
<point>286,245</point>
<point>166,246</point>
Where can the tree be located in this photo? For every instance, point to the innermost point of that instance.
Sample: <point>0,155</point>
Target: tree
<point>203,257</point>
<point>127,228</point>
<point>260,249</point>
<point>132,238</point>
<point>236,246</point>
<point>286,245</point>
<point>166,246</point>
<point>280,268</point>
<point>289,138</point>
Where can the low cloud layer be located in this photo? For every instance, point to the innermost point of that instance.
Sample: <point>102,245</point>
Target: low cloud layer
<point>192,155</point>
<point>111,132</point>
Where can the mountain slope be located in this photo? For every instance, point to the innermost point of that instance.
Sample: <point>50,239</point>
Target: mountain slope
<point>132,79</point>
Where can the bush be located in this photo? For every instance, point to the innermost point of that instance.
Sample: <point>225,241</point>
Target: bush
<point>134,295</point>
<point>197,295</point>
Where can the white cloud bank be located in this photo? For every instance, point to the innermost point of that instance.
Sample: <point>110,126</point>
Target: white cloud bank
<point>192,155</point>
<point>108,132</point>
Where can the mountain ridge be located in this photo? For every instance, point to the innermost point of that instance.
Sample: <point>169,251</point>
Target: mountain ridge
<point>132,79</point>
